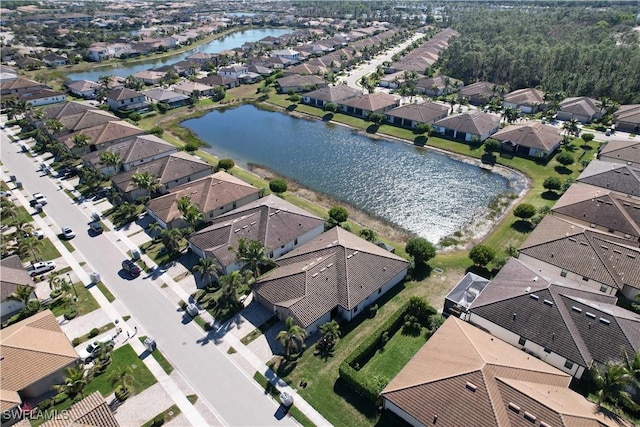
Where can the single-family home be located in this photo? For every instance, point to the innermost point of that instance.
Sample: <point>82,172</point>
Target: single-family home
<point>464,376</point>
<point>335,274</point>
<point>621,152</point>
<point>42,97</point>
<point>150,77</point>
<point>170,171</point>
<point>218,80</point>
<point>469,127</point>
<point>297,83</point>
<point>566,250</point>
<point>126,99</point>
<point>203,58</point>
<point>100,136</point>
<point>279,225</point>
<point>628,118</point>
<point>564,323</point>
<point>600,209</point>
<point>410,115</point>
<point>189,88</point>
<point>479,93</point>
<point>233,71</point>
<point>334,94</point>
<point>288,53</point>
<point>92,411</point>
<point>581,108</point>
<point>84,119</point>
<point>165,96</point>
<point>55,60</point>
<point>20,85</point>
<point>308,68</point>
<point>531,139</point>
<point>83,88</point>
<point>6,73</point>
<point>28,63</point>
<point>527,100</point>
<point>438,86</point>
<point>132,152</point>
<point>214,195</point>
<point>64,109</point>
<point>617,177</point>
<point>460,298</point>
<point>12,275</point>
<point>364,105</point>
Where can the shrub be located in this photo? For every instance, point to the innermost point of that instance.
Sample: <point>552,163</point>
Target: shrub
<point>158,421</point>
<point>373,310</point>
<point>122,393</point>
<point>565,159</point>
<point>278,185</point>
<point>75,342</point>
<point>94,332</point>
<point>552,183</point>
<point>225,164</point>
<point>157,131</point>
<point>191,147</point>
<point>71,313</point>
<point>45,404</point>
<point>524,211</point>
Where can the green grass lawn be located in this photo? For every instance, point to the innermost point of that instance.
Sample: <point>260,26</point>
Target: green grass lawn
<point>22,215</point>
<point>295,412</point>
<point>46,252</point>
<point>123,357</point>
<point>101,329</point>
<point>157,354</point>
<point>166,416</point>
<point>85,303</point>
<point>395,355</point>
<point>67,244</point>
<point>156,251</point>
<point>106,292</point>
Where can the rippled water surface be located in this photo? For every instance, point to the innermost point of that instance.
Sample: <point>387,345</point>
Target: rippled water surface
<point>420,190</point>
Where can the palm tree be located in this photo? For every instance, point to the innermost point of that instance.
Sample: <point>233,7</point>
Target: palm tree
<point>331,330</point>
<point>122,379</point>
<point>75,380</point>
<point>29,246</point>
<point>193,216</point>
<point>54,126</point>
<point>22,294</point>
<point>104,81</point>
<point>251,254</point>
<point>57,282</point>
<point>229,285</point>
<point>111,159</point>
<point>145,181</point>
<point>80,140</point>
<point>171,239</point>
<point>632,365</point>
<point>207,269</point>
<point>570,127</point>
<point>183,204</point>
<point>292,338</point>
<point>613,382</point>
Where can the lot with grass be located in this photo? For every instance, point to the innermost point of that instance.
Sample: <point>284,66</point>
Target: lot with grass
<point>85,303</point>
<point>45,252</point>
<point>159,357</point>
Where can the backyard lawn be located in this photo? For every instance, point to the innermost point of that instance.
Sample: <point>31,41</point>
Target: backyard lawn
<point>386,363</point>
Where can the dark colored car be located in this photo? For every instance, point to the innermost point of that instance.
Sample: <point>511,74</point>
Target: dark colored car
<point>96,227</point>
<point>131,268</point>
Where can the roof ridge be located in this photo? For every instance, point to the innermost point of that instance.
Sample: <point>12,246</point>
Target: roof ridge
<point>604,261</point>
<point>617,201</point>
<point>494,405</point>
<point>574,332</point>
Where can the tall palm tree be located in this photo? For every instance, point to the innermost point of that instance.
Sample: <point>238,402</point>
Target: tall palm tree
<point>80,140</point>
<point>570,127</point>
<point>193,216</point>
<point>171,239</point>
<point>207,270</point>
<point>111,159</point>
<point>331,330</point>
<point>632,364</point>
<point>183,204</point>
<point>292,337</point>
<point>251,254</point>
<point>75,380</point>
<point>122,378</point>
<point>54,126</point>
<point>22,294</point>
<point>613,382</point>
<point>145,181</point>
<point>29,246</point>
<point>229,285</point>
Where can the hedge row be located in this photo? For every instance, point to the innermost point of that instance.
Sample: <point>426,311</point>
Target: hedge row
<point>362,384</point>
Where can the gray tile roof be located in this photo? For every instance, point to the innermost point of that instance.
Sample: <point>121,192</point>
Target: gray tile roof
<point>476,122</point>
<point>628,114</point>
<point>527,96</point>
<point>621,178</point>
<point>57,111</point>
<point>424,112</point>
<point>621,151</point>
<point>104,133</point>
<point>87,119</point>
<point>481,89</point>
<point>333,93</point>
<point>160,95</point>
<point>581,105</point>
<point>298,80</point>
<point>122,94</point>
<point>133,150</point>
<point>531,135</point>
<point>371,101</point>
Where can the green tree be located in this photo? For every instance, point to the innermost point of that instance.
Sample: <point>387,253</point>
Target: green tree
<point>571,127</point>
<point>122,379</point>
<point>145,181</point>
<point>80,140</point>
<point>292,338</point>
<point>229,285</point>
<point>587,137</point>
<point>207,270</point>
<point>251,254</point>
<point>193,216</point>
<point>22,294</point>
<point>482,255</point>
<point>377,118</point>
<point>183,204</point>
<point>491,145</point>
<point>29,246</point>
<point>424,128</point>
<point>331,330</point>
<point>420,249</point>
<point>331,107</point>
<point>171,239</point>
<point>218,93</point>
<point>632,365</point>
<point>368,234</point>
<point>337,215</point>
<point>226,164</point>
<point>613,383</point>
<point>74,382</point>
<point>278,185</point>
<point>524,211</point>
<point>565,159</point>
<point>111,159</point>
<point>552,183</point>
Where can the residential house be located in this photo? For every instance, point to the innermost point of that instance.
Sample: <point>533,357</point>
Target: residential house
<point>460,298</point>
<point>392,81</point>
<point>364,105</point>
<point>259,69</point>
<point>628,118</point>
<point>165,96</point>
<point>7,73</point>
<point>150,77</point>
<point>334,94</point>
<point>218,80</point>
<point>600,209</point>
<point>335,274</point>
<point>479,93</point>
<point>84,119</point>
<point>42,97</point>
<point>12,275</point>
<point>35,354</point>
<point>133,152</point>
<point>415,64</point>
<point>214,195</point>
<point>297,83</point>
<point>565,250</point>
<point>528,100</point>
<point>83,88</point>
<point>68,108</point>
<point>531,139</point>
<point>233,71</point>
<point>438,86</point>
<point>288,53</point>
<point>581,108</point>
<point>203,58</point>
<point>28,63</point>
<point>55,60</point>
<point>170,171</point>
<point>619,178</point>
<point>126,99</point>
<point>189,88</point>
<point>410,115</point>
<point>564,323</point>
<point>92,411</point>
<point>20,85</point>
<point>471,126</point>
<point>308,68</point>
<point>100,136</point>
<point>279,225</point>
<point>621,152</point>
<point>463,376</point>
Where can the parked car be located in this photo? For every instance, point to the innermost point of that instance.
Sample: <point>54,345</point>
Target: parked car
<point>38,199</point>
<point>96,227</point>
<point>5,194</point>
<point>131,267</point>
<point>40,267</point>
<point>68,233</point>
<point>90,352</point>
<point>38,234</point>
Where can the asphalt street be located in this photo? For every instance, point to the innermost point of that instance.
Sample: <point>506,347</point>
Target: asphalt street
<point>235,398</point>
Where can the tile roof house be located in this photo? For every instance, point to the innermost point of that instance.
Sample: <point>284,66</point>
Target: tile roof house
<point>100,136</point>
<point>621,151</point>
<point>528,100</point>
<point>188,88</point>
<point>150,77</point>
<point>336,273</point>
<point>218,80</point>
<point>468,126</point>
<point>41,97</point>
<point>531,139</point>
<point>479,93</point>
<point>564,323</point>
<point>84,120</point>
<point>126,99</point>
<point>297,83</point>
<point>65,109</point>
<point>165,96</point>
<point>171,171</point>
<point>279,225</point>
<point>619,178</point>
<point>600,209</point>
<point>133,151</point>
<point>12,275</point>
<point>439,85</point>
<point>602,262</point>
<point>214,195</point>
<point>320,97</point>
<point>364,105</point>
<point>410,115</point>
<point>581,108</point>
<point>83,88</point>
<point>463,294</point>
<point>35,353</point>
<point>233,71</point>
<point>92,411</point>
<point>628,118</point>
<point>463,376</point>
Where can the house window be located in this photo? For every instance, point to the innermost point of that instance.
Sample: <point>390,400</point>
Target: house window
<point>221,207</point>
<point>234,205</point>
<point>547,350</point>
<point>282,247</point>
<point>122,102</point>
<point>380,291</point>
<point>270,254</point>
<point>568,364</point>
<point>355,309</point>
<point>210,214</point>
<point>166,186</point>
<point>295,242</point>
<point>563,273</point>
<point>522,341</point>
<point>585,278</point>
<point>604,288</point>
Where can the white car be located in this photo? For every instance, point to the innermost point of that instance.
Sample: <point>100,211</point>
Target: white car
<point>88,353</point>
<point>40,267</point>
<point>38,234</point>
<point>68,233</point>
<point>39,199</point>
<point>5,194</point>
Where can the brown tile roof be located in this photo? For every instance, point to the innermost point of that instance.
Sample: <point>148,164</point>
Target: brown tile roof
<point>69,108</point>
<point>92,411</point>
<point>622,151</point>
<point>132,150</point>
<point>476,122</point>
<point>33,349</point>
<point>122,94</point>
<point>425,112</point>
<point>527,96</point>
<point>530,134</point>
<point>628,113</point>
<point>298,80</point>
<point>209,194</point>
<point>83,85</point>
<point>87,119</point>
<point>584,252</point>
<point>453,377</point>
<point>9,399</point>
<point>217,80</point>
<point>12,275</point>
<point>6,86</point>
<point>333,93</point>
<point>581,105</point>
<point>336,268</point>
<point>371,101</point>
<point>620,178</point>
<point>104,133</point>
<point>438,81</point>
<point>166,169</point>
<point>270,220</point>
<point>482,89</point>
<point>188,86</point>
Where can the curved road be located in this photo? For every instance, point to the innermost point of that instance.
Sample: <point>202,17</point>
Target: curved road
<point>236,399</point>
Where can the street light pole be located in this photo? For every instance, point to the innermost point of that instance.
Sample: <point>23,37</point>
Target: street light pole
<point>73,286</point>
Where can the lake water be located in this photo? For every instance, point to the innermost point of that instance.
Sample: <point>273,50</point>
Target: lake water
<point>423,191</point>
<point>231,41</point>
